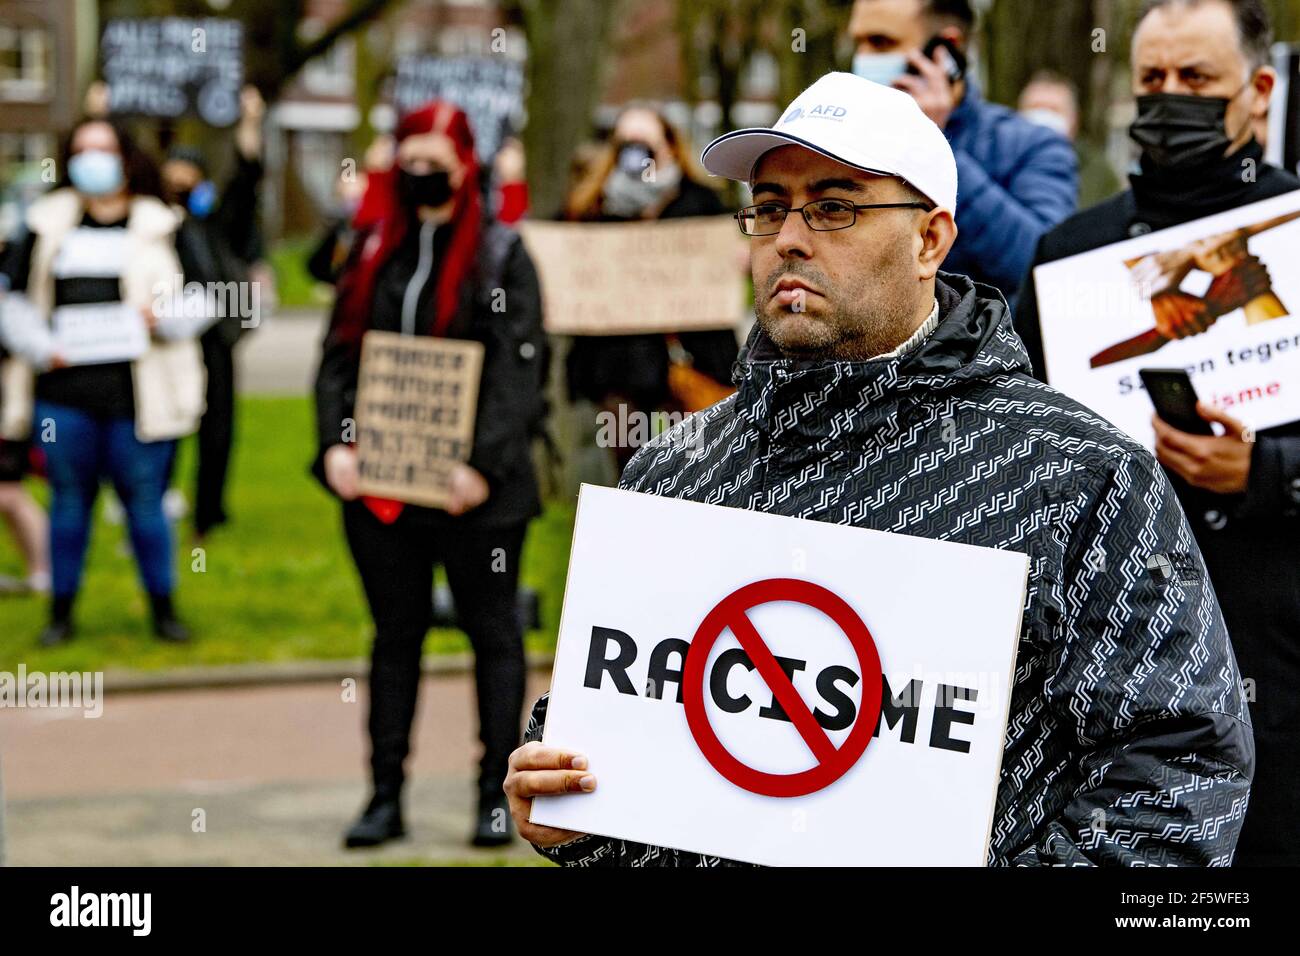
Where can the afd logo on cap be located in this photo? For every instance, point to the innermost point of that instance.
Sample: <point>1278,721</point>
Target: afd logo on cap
<point>822,111</point>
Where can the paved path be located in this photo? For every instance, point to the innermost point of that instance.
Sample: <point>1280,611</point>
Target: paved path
<point>280,357</point>
<point>277,772</point>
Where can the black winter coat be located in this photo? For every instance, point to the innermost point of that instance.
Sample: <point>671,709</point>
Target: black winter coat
<point>511,404</point>
<point>1251,542</point>
<point>1128,740</point>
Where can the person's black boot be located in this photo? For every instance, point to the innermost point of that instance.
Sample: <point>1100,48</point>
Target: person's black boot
<point>494,826</point>
<point>166,625</point>
<point>380,822</point>
<point>59,630</point>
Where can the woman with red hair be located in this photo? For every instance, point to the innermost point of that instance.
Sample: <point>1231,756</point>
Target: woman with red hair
<point>427,260</point>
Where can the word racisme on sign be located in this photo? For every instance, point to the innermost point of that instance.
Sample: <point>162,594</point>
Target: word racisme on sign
<point>844,692</point>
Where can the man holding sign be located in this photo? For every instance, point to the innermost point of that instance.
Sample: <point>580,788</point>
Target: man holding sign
<point>1202,77</point>
<point>877,393</point>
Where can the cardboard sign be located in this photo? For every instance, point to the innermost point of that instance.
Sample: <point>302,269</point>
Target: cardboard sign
<point>416,398</point>
<point>1097,312</point>
<point>675,275</point>
<point>97,333</point>
<point>725,670</point>
<point>174,66</point>
<point>489,89</point>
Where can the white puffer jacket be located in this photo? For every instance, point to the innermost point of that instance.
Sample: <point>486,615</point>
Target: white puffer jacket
<point>169,379</point>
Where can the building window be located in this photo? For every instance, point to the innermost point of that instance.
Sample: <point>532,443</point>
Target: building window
<point>26,55</point>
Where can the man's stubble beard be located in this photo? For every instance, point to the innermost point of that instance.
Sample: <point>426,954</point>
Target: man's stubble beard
<point>862,319</point>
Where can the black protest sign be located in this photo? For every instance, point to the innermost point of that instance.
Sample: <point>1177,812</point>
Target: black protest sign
<point>489,89</point>
<point>416,398</point>
<point>169,67</point>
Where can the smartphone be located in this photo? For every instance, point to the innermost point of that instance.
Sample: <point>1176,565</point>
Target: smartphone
<point>1174,398</point>
<point>957,64</point>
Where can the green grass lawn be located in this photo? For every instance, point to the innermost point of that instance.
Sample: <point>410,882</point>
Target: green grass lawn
<point>278,584</point>
<point>294,285</point>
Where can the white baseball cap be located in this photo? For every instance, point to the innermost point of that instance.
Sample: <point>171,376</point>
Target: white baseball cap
<point>875,128</point>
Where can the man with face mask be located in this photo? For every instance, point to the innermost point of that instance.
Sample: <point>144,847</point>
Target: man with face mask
<point>1018,179</point>
<point>1201,77</point>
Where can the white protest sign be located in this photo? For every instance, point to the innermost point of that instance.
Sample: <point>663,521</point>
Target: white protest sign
<point>618,278</point>
<point>1097,313</point>
<point>94,334</point>
<point>821,622</point>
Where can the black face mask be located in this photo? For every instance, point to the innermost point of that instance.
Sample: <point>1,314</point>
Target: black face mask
<point>1178,132</point>
<point>424,189</point>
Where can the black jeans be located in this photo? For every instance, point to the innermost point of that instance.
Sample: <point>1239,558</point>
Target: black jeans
<point>216,433</point>
<point>396,563</point>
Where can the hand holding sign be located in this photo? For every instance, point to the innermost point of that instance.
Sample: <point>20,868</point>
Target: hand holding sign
<point>739,711</point>
<point>466,489</point>
<point>540,771</point>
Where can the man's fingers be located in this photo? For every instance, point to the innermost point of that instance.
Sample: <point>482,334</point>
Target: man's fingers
<point>909,84</point>
<point>541,783</point>
<point>1177,440</point>
<point>1231,425</point>
<point>536,756</point>
<point>929,69</point>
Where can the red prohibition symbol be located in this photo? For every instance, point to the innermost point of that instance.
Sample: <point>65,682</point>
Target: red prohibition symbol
<point>730,613</point>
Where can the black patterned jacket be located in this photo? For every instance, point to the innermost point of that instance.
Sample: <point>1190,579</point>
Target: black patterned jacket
<point>1129,740</point>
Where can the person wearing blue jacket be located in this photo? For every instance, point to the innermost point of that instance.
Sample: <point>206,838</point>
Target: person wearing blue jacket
<point>1015,179</point>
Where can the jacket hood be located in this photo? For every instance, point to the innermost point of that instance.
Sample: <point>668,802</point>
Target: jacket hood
<point>974,340</point>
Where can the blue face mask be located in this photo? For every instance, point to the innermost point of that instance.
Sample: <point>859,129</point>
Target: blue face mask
<point>882,68</point>
<point>96,173</point>
<point>202,199</point>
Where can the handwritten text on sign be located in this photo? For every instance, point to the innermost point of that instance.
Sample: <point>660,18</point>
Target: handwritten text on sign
<point>677,275</point>
<point>415,414</point>
<point>173,66</point>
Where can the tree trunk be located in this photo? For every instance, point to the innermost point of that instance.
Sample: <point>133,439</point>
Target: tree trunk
<point>567,40</point>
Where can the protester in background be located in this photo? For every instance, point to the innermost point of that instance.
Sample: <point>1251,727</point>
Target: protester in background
<point>510,182</point>
<point>1201,75</point>
<point>335,245</point>
<point>25,518</point>
<point>217,242</point>
<point>1050,99</point>
<point>427,260</point>
<point>645,171</point>
<point>104,241</point>
<point>1128,741</point>
<point>1018,179</point>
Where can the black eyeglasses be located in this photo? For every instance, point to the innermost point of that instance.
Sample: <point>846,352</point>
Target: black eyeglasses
<point>823,215</point>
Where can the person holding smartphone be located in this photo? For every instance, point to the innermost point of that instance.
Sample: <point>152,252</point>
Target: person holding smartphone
<point>1017,179</point>
<point>1202,77</point>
